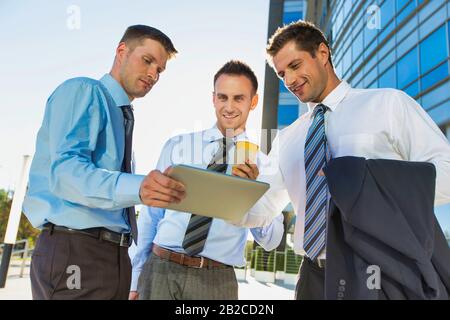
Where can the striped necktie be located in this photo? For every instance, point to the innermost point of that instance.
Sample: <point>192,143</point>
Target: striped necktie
<point>198,227</point>
<point>126,163</point>
<point>316,157</point>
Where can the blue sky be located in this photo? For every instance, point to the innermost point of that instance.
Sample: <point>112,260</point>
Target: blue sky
<point>39,51</point>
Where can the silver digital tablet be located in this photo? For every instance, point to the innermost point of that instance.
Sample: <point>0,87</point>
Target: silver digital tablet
<point>215,194</point>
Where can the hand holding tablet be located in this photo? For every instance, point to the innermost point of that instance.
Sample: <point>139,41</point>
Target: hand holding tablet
<point>214,194</point>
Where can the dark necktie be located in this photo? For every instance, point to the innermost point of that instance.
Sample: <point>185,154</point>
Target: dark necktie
<point>316,156</point>
<point>198,227</point>
<point>126,164</point>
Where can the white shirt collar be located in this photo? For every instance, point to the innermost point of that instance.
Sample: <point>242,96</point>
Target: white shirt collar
<point>214,134</point>
<point>335,97</point>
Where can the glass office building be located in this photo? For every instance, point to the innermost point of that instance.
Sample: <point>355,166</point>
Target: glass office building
<point>395,44</point>
<point>289,107</point>
<point>281,107</point>
<point>403,44</point>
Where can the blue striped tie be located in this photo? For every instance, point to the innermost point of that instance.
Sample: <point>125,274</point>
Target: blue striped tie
<point>316,157</point>
<point>198,226</point>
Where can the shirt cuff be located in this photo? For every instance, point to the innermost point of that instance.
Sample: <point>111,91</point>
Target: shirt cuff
<point>134,280</point>
<point>127,189</point>
<point>262,231</point>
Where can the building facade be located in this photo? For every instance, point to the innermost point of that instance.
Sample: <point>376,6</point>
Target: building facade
<point>402,44</point>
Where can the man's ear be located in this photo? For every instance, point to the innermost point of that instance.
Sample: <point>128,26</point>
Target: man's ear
<point>121,51</point>
<point>254,102</point>
<point>213,97</point>
<point>324,53</point>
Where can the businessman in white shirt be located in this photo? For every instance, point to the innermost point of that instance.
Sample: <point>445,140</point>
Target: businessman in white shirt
<point>182,256</point>
<point>341,121</point>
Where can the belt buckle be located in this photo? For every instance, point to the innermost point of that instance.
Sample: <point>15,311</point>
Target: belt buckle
<point>202,263</point>
<point>123,241</point>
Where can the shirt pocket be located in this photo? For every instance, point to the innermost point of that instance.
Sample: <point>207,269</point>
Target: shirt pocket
<point>359,145</point>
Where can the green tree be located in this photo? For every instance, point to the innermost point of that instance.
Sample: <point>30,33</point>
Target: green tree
<point>26,230</point>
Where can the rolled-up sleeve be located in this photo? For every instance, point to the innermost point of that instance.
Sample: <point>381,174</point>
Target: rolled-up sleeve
<point>269,237</point>
<point>148,221</point>
<point>274,200</point>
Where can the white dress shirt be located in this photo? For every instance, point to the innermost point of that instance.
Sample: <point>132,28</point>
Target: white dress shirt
<point>369,123</point>
<point>166,228</point>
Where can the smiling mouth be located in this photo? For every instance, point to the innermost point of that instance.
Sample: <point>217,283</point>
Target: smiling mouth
<point>229,116</point>
<point>146,83</point>
<point>297,88</point>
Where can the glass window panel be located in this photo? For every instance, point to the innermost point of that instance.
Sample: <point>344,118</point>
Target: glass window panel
<point>432,23</point>
<point>357,63</point>
<point>287,114</point>
<point>385,31</point>
<point>401,4</point>
<point>413,89</point>
<point>407,44</point>
<point>347,61</point>
<point>373,85</point>
<point>370,76</point>
<point>406,29</point>
<point>441,114</point>
<point>387,12</point>
<point>386,61</point>
<point>387,80</point>
<point>369,49</point>
<point>369,34</point>
<point>436,96</point>
<point>435,76</point>
<point>411,6</point>
<point>408,68</point>
<point>357,46</point>
<point>433,50</point>
<point>430,7</point>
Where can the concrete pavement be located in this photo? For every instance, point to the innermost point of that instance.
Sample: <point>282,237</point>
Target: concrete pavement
<point>20,288</point>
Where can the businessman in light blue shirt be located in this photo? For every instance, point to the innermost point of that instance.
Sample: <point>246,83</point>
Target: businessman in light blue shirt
<point>165,264</point>
<point>82,191</point>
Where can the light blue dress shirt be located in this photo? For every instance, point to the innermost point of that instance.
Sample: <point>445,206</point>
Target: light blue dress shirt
<point>75,179</point>
<point>166,228</point>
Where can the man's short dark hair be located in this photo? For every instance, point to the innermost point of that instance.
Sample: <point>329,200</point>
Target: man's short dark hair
<point>306,35</point>
<point>238,68</point>
<point>134,35</point>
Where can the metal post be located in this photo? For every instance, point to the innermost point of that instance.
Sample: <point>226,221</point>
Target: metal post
<point>24,258</point>
<point>275,263</point>
<point>14,219</point>
<point>6,257</point>
<point>285,259</point>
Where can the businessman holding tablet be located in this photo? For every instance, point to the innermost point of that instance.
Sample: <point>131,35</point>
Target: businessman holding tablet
<point>186,256</point>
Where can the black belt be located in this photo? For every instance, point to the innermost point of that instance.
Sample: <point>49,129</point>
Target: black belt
<point>121,239</point>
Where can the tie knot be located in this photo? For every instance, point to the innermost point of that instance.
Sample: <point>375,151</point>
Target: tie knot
<point>227,142</point>
<point>127,112</point>
<point>320,108</point>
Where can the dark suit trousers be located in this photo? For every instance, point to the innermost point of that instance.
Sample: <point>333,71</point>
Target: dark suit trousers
<point>311,283</point>
<point>74,266</point>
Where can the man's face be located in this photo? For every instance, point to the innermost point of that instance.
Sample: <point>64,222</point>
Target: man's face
<point>139,69</point>
<point>305,76</point>
<point>233,99</point>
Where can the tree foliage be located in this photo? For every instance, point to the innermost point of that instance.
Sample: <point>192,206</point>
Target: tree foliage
<point>26,230</point>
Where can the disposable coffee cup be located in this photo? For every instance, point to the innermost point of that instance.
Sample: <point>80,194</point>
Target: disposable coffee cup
<point>245,150</point>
